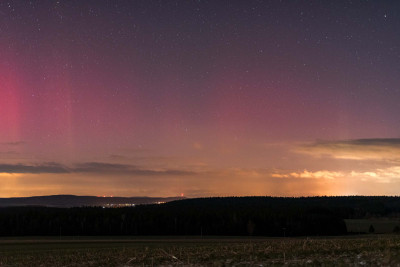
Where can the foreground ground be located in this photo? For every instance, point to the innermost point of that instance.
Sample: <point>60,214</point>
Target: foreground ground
<point>372,250</point>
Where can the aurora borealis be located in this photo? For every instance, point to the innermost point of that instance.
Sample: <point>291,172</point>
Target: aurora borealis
<point>204,98</point>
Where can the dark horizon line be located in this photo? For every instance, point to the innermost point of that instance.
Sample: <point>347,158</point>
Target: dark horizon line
<point>202,197</point>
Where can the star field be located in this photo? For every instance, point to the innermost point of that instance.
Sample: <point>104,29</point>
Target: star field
<point>201,97</point>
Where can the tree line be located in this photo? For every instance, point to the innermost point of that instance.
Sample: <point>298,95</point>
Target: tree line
<point>238,216</point>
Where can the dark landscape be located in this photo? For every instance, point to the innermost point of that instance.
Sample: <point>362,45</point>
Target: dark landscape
<point>195,251</point>
<point>231,231</point>
<point>229,216</point>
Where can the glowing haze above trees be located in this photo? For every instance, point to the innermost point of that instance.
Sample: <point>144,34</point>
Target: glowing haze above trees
<point>231,98</point>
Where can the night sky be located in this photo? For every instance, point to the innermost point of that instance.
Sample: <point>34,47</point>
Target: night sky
<point>201,98</point>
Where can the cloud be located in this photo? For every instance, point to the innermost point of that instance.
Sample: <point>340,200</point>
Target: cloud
<point>90,167</point>
<point>382,175</point>
<point>40,168</point>
<point>386,149</point>
<point>99,167</point>
<point>324,174</point>
<point>17,143</point>
<point>9,152</point>
<point>380,159</point>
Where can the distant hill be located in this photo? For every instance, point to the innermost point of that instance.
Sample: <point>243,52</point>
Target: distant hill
<point>67,201</point>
